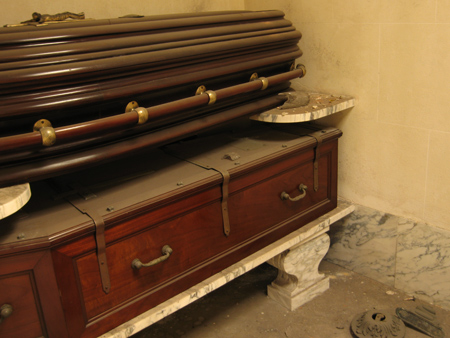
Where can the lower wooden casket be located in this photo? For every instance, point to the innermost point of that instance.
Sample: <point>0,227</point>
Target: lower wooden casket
<point>191,208</point>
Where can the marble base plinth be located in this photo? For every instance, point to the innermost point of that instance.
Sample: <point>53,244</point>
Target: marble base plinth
<point>311,231</point>
<point>298,279</point>
<point>293,302</point>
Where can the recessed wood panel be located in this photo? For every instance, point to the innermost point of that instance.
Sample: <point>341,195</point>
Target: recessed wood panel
<point>19,292</point>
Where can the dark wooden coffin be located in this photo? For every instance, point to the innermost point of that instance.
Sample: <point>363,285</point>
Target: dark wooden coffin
<point>75,95</point>
<point>134,136</point>
<point>171,196</point>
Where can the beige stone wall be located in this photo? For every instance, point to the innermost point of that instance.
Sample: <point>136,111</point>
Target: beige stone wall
<point>394,57</point>
<point>20,10</point>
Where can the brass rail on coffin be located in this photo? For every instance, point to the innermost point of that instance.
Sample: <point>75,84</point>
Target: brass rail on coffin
<point>29,172</point>
<point>140,115</point>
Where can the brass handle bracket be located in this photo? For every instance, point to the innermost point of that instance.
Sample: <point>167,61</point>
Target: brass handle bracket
<point>264,81</point>
<point>166,252</point>
<point>142,113</point>
<point>212,96</point>
<point>303,69</point>
<point>299,66</point>
<point>47,132</point>
<point>301,187</point>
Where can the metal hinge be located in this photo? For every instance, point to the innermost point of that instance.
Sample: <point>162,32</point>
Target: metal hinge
<point>319,139</point>
<point>225,181</point>
<point>224,203</point>
<point>99,223</point>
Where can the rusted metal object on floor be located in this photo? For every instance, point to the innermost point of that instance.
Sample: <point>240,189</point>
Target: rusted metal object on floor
<point>423,319</point>
<point>377,324</point>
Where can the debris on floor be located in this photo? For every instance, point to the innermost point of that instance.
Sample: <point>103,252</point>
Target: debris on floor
<point>241,309</point>
<point>377,324</point>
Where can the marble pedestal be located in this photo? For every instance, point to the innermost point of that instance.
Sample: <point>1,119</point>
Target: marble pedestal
<point>300,251</point>
<point>298,279</point>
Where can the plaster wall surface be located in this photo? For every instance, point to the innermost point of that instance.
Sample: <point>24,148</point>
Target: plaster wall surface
<point>394,157</point>
<point>392,56</point>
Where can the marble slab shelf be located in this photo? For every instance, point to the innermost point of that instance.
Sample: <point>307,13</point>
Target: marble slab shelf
<point>301,238</point>
<point>320,105</point>
<point>13,198</point>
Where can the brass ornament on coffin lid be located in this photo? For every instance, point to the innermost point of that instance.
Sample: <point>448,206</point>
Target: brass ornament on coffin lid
<point>41,18</point>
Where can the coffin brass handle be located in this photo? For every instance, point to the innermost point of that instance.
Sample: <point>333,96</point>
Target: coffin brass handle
<point>166,252</point>
<point>301,187</point>
<point>5,311</point>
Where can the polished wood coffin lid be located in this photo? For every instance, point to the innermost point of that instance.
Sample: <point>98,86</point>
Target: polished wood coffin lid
<point>77,95</point>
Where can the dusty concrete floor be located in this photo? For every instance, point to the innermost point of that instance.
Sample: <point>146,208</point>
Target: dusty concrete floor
<point>241,309</point>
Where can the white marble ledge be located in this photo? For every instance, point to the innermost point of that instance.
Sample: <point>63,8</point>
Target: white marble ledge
<point>320,105</point>
<point>306,233</point>
<point>13,198</point>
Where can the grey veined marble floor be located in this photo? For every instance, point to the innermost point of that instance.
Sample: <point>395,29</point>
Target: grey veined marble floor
<point>241,309</point>
<point>410,256</point>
